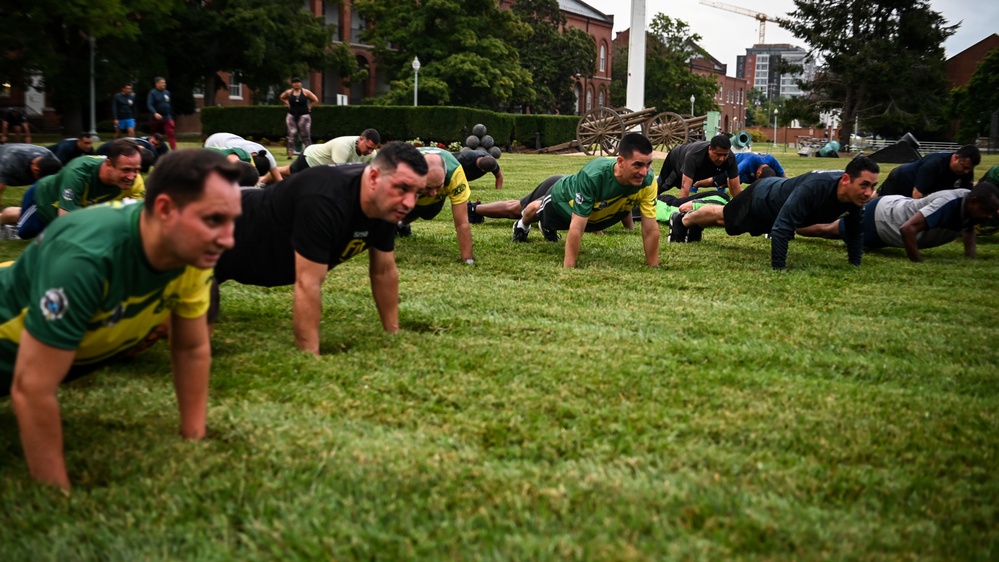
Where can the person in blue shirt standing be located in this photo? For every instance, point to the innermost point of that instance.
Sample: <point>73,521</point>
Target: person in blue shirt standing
<point>123,111</point>
<point>161,111</point>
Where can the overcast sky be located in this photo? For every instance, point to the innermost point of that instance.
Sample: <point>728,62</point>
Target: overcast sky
<point>726,35</point>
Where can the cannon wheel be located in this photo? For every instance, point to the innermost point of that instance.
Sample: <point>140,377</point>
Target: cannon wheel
<point>600,131</point>
<point>666,130</point>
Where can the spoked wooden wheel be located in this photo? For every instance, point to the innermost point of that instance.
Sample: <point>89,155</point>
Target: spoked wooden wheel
<point>600,131</point>
<point>666,130</point>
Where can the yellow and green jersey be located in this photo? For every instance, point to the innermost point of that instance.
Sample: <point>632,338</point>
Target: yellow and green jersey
<point>85,284</point>
<point>79,185</point>
<point>595,193</point>
<point>455,183</point>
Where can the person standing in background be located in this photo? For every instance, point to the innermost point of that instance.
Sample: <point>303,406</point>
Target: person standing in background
<point>299,119</point>
<point>123,111</point>
<point>161,111</point>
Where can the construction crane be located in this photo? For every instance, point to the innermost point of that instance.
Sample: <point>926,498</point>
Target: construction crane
<point>761,17</point>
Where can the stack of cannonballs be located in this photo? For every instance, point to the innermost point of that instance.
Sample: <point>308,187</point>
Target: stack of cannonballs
<point>479,139</point>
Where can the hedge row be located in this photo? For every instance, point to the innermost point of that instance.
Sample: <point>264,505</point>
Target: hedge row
<point>430,123</point>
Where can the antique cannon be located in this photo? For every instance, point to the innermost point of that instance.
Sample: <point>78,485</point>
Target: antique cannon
<point>600,130</point>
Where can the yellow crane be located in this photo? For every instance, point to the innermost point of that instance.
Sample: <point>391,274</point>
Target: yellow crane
<point>761,17</point>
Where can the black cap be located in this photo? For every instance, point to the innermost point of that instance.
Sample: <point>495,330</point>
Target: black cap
<point>296,79</point>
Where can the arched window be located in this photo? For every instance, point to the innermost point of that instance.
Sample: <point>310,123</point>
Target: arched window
<point>589,99</point>
<point>603,58</point>
<point>601,99</point>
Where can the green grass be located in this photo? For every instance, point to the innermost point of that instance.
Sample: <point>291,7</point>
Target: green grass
<point>711,410</point>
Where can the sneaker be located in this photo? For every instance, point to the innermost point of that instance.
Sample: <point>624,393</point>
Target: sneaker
<point>403,230</point>
<point>473,217</point>
<point>694,233</point>
<point>549,234</point>
<point>520,233</point>
<point>677,232</point>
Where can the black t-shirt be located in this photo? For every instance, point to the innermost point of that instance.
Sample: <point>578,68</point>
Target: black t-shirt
<point>692,160</point>
<point>316,213</point>
<point>13,117</point>
<point>468,159</point>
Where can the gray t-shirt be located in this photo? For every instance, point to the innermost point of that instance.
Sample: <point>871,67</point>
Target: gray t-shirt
<point>15,162</point>
<point>229,140</point>
<point>943,211</point>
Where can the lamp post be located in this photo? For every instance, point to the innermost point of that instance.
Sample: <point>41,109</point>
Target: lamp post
<point>416,79</point>
<point>775,129</point>
<point>691,105</point>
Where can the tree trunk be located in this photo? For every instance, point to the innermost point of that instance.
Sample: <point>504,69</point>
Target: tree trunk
<point>211,85</point>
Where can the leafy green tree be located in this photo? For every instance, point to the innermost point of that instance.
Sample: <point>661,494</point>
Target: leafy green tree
<point>265,42</point>
<point>976,102</point>
<point>553,55</point>
<point>464,49</point>
<point>882,60</point>
<point>669,82</point>
<point>51,39</point>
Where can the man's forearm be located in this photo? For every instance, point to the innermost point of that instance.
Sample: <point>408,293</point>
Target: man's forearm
<point>385,291</point>
<point>40,427</point>
<point>307,312</point>
<point>650,241</point>
<point>573,241</point>
<point>909,242</point>
<point>970,243</point>
<point>192,360</point>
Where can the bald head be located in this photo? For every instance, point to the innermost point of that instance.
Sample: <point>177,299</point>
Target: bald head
<point>436,173</point>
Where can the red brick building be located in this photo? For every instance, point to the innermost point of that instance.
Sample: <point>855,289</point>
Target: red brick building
<point>960,67</point>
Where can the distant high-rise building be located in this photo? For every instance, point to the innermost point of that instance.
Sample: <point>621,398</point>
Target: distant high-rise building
<point>760,66</point>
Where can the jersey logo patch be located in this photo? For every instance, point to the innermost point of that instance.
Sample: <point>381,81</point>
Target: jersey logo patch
<point>67,195</point>
<point>54,304</point>
<point>116,315</point>
<point>579,198</point>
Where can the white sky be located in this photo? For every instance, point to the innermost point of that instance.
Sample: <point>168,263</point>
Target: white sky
<point>726,35</point>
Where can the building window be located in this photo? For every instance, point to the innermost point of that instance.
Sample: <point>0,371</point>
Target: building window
<point>589,99</point>
<point>198,90</point>
<point>235,87</point>
<point>603,59</point>
<point>601,101</point>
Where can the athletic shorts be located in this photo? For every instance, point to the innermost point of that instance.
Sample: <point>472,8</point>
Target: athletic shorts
<point>299,164</point>
<point>126,124</point>
<point>871,238</point>
<point>540,191</point>
<point>425,212</point>
<point>739,216</point>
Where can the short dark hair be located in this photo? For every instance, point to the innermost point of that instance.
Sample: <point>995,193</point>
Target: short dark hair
<point>261,162</point>
<point>721,141</point>
<point>122,147</point>
<point>396,152</point>
<point>766,172</point>
<point>987,195</point>
<point>970,151</point>
<point>634,142</point>
<point>48,165</point>
<point>180,174</point>
<point>487,163</point>
<point>83,135</point>
<point>372,135</point>
<point>248,174</point>
<point>861,163</point>
<point>157,136</point>
<point>157,80</point>
<point>148,158</point>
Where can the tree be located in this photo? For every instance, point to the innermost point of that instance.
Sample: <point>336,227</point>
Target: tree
<point>464,49</point>
<point>976,102</point>
<point>265,43</point>
<point>669,82</point>
<point>553,55</point>
<point>50,40</point>
<point>882,60</point>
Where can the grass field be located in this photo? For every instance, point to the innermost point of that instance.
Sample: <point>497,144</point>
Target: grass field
<point>710,410</point>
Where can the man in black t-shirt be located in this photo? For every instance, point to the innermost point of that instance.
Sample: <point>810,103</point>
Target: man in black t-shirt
<point>478,163</point>
<point>293,233</point>
<point>15,121</point>
<point>694,165</point>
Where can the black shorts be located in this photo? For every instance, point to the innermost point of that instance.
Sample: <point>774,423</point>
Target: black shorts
<point>540,191</point>
<point>739,216</point>
<point>299,164</point>
<point>425,212</point>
